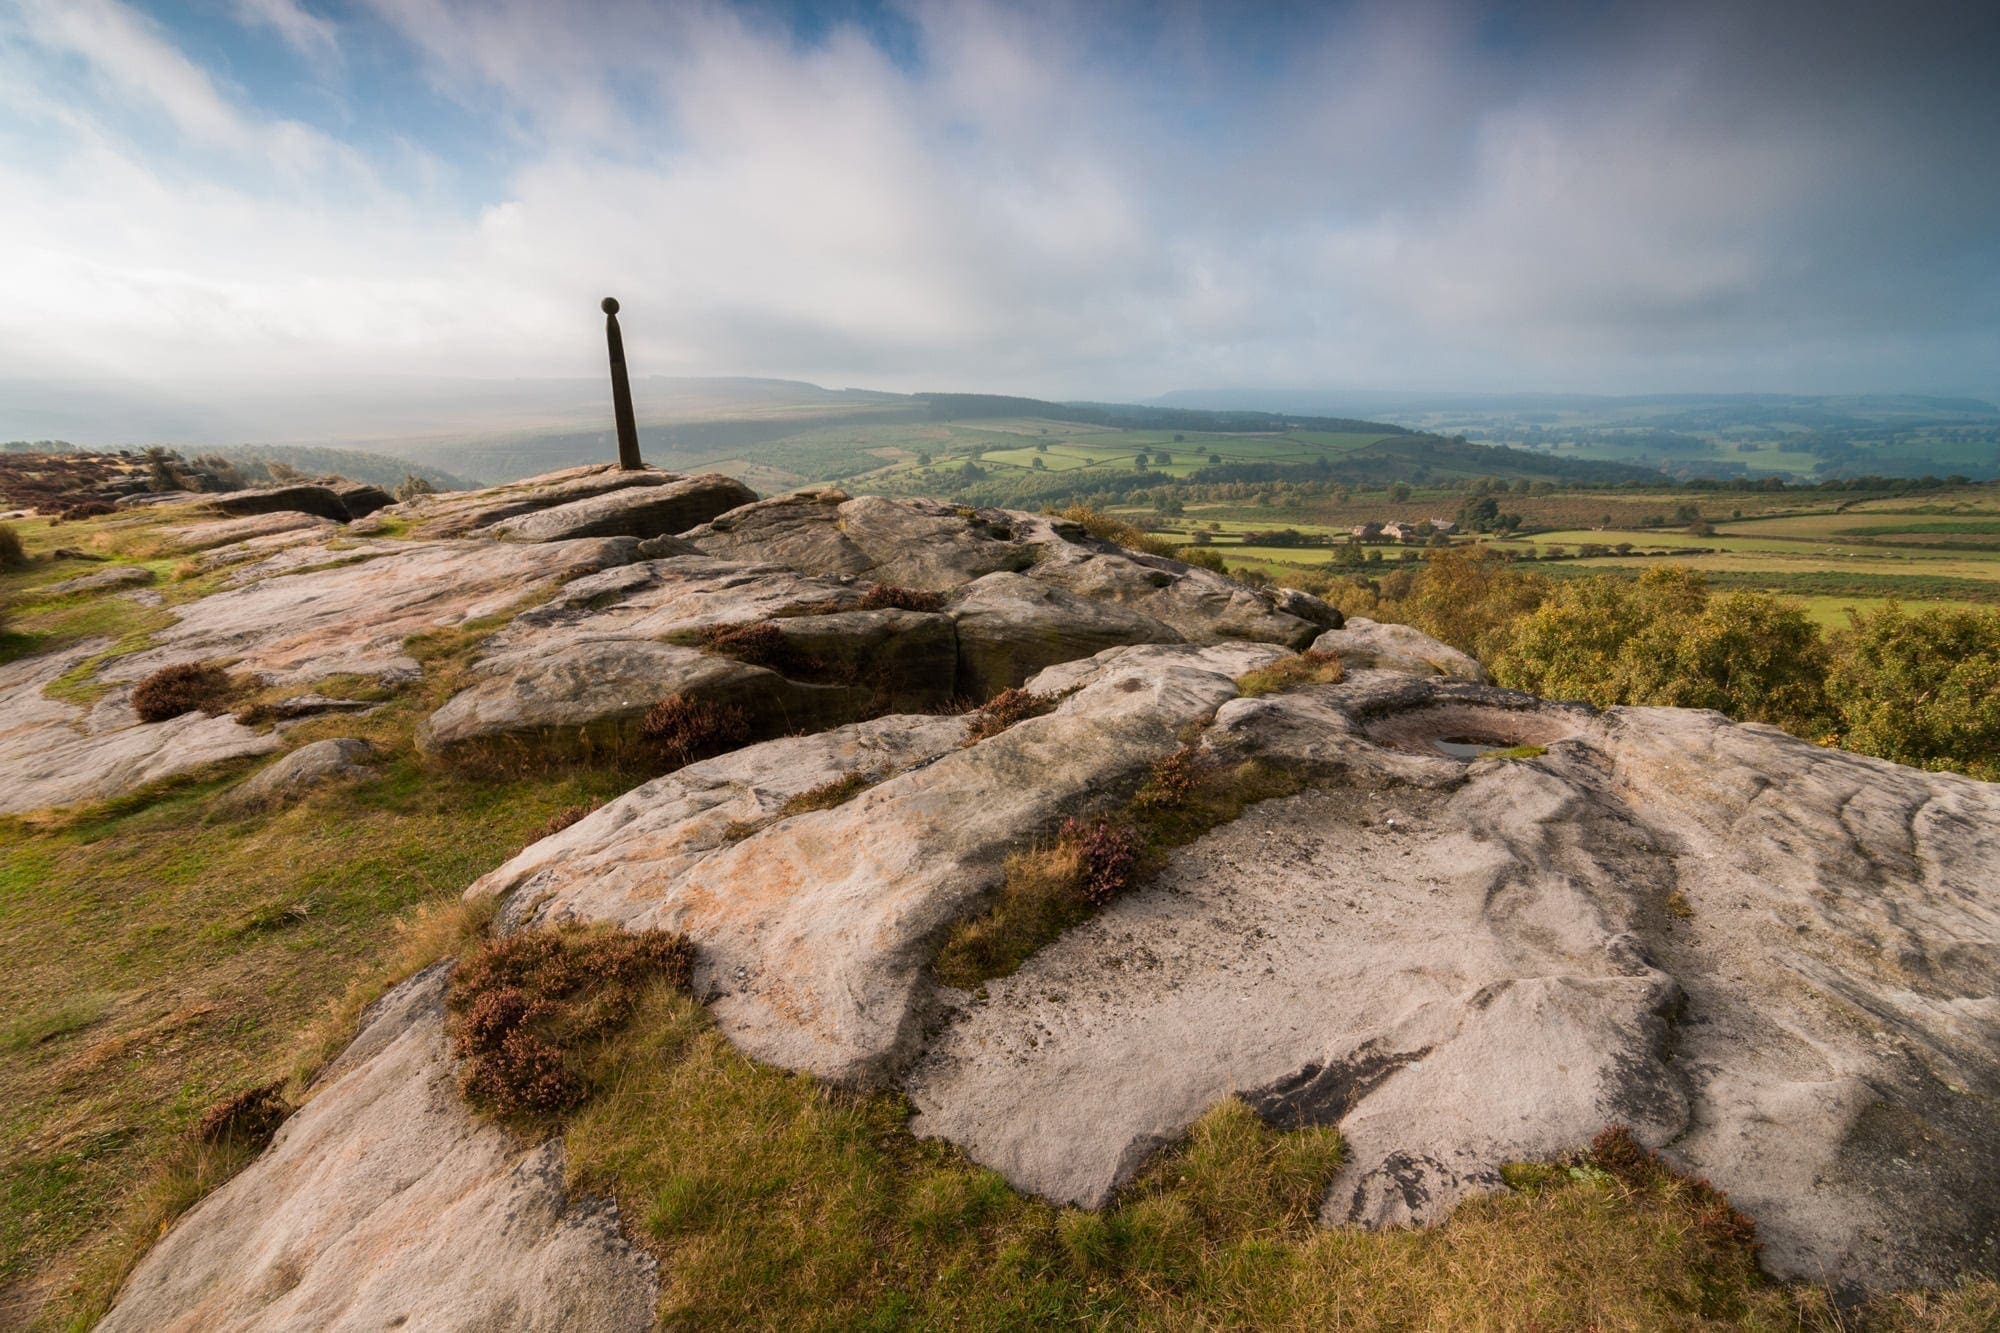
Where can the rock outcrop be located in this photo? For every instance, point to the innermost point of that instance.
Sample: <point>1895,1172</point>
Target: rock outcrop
<point>383,1203</point>
<point>1775,962</point>
<point>309,766</point>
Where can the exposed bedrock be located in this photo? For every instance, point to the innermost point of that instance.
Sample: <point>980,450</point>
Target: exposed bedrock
<point>384,1203</point>
<point>1773,961</point>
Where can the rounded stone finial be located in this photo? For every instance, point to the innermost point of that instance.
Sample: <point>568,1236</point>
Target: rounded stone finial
<point>610,305</point>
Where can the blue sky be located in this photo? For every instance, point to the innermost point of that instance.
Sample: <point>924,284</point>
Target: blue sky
<point>1102,200</point>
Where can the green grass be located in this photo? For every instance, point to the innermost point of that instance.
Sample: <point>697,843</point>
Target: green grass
<point>774,1201</point>
<point>164,952</point>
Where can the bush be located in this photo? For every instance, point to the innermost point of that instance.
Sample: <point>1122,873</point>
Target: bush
<point>889,597</point>
<point>1106,855</point>
<point>526,1012</point>
<point>684,730</point>
<point>12,554</point>
<point>1205,557</point>
<point>87,509</point>
<point>1921,689</point>
<point>248,1119</point>
<point>829,794</point>
<point>1006,708</point>
<point>1469,598</point>
<point>1662,640</point>
<point>185,688</point>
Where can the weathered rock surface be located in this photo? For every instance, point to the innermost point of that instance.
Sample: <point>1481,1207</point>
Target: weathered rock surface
<point>118,576</point>
<point>289,628</point>
<point>636,511</point>
<point>384,1204</point>
<point>1011,626</point>
<point>54,753</point>
<point>461,513</point>
<point>939,547</point>
<point>1362,642</point>
<point>342,758</point>
<point>594,693</point>
<point>220,532</point>
<point>1459,964</point>
<point>818,930</point>
<point>303,498</point>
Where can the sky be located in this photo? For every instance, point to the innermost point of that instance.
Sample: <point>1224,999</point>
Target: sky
<point>1096,200</point>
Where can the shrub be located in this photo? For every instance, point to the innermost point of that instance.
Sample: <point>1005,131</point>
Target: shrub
<point>1310,667</point>
<point>1106,855</point>
<point>1174,778</point>
<point>1469,598</point>
<point>185,688</point>
<point>759,643</point>
<point>12,554</point>
<point>561,820</point>
<point>1661,639</point>
<point>684,729</point>
<point>889,597</point>
<point>1006,708</point>
<point>1207,557</point>
<point>87,509</point>
<point>1921,689</point>
<point>526,1012</point>
<point>249,1118</point>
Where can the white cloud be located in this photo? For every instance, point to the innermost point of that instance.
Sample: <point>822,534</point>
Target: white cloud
<point>1036,204</point>
<point>305,32</point>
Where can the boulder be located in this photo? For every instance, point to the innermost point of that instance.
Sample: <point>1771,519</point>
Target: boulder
<point>301,498</point>
<point>1362,642</point>
<point>383,1203</point>
<point>923,544</point>
<point>643,511</point>
<point>118,576</point>
<point>1011,626</point>
<point>353,618</point>
<point>55,753</point>
<point>309,766</point>
<point>359,498</point>
<point>461,513</point>
<point>593,693</point>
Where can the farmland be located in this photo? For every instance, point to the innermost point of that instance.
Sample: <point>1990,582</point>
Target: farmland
<point>1937,548</point>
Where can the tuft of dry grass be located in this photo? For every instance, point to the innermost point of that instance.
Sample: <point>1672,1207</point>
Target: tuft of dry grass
<point>1310,667</point>
<point>682,730</point>
<point>890,597</point>
<point>1004,709</point>
<point>187,687</point>
<point>526,1012</point>
<point>1106,528</point>
<point>829,794</point>
<point>562,819</point>
<point>760,643</point>
<point>13,554</point>
<point>249,1117</point>
<point>1047,889</point>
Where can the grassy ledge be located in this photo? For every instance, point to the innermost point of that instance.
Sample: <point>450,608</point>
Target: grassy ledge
<point>1061,883</point>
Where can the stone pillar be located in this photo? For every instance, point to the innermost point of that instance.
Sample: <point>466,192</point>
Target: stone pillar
<point>621,391</point>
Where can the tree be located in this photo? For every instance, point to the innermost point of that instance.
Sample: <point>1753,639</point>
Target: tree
<point>1921,689</point>
<point>412,486</point>
<point>1038,465</point>
<point>1469,598</point>
<point>1661,639</point>
<point>1399,492</point>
